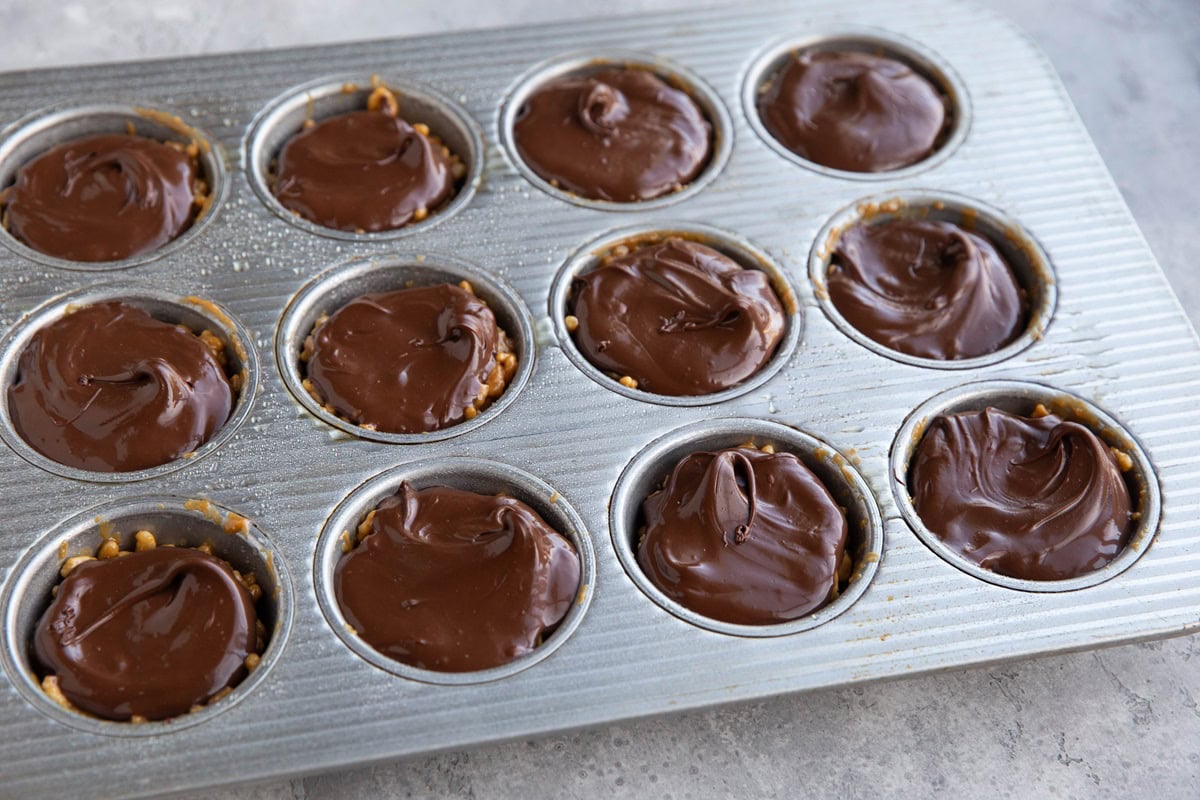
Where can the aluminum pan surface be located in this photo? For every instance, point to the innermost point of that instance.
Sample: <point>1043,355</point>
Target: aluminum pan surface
<point>1118,338</point>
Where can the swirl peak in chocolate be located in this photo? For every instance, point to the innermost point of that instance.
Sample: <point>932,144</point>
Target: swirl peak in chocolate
<point>1038,498</point>
<point>621,135</point>
<point>104,198</point>
<point>455,581</point>
<point>365,171</point>
<point>152,633</point>
<point>854,111</point>
<point>678,317</point>
<point>409,361</point>
<point>926,288</point>
<point>744,536</point>
<point>108,388</point>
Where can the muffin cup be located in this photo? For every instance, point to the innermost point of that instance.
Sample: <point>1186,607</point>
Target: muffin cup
<point>26,593</point>
<point>195,313</point>
<point>340,284</point>
<point>1019,397</point>
<point>875,41</point>
<point>284,117</point>
<point>470,474</point>
<point>740,250</point>
<point>37,133</point>
<point>1017,246</point>
<point>645,474</point>
<point>590,62</point>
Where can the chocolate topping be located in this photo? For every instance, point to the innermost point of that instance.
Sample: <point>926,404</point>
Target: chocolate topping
<point>1041,499</point>
<point>104,198</point>
<point>621,135</point>
<point>678,317</point>
<point>363,171</point>
<point>854,111</point>
<point>744,536</point>
<point>152,633</point>
<point>926,288</point>
<point>408,361</point>
<point>456,581</point>
<point>109,388</point>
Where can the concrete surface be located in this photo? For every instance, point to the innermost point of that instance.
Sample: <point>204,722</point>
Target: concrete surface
<point>1114,723</point>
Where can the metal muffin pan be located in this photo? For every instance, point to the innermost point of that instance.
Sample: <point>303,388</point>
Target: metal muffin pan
<point>1116,339</point>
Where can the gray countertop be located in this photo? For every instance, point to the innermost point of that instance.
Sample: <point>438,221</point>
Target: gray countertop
<point>1103,723</point>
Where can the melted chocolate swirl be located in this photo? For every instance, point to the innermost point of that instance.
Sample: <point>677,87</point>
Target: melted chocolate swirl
<point>744,537</point>
<point>103,198</point>
<point>456,581</point>
<point>408,361</point>
<point>363,171</point>
<point>926,288</point>
<point>151,634</point>
<point>109,388</point>
<point>678,317</point>
<point>854,111</point>
<point>1040,499</point>
<point>621,135</point>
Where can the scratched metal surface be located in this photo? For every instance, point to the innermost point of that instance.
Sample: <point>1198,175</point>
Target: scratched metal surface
<point>1118,338</point>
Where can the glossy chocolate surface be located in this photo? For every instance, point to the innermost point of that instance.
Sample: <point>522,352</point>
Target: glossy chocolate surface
<point>1034,498</point>
<point>854,111</point>
<point>408,361</point>
<point>678,317</point>
<point>926,288</point>
<point>109,388</point>
<point>621,135</point>
<point>363,171</point>
<point>103,198</point>
<point>152,633</point>
<point>456,581</point>
<point>744,536</point>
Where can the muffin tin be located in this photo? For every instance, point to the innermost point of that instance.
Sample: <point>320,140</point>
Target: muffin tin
<point>1111,344</point>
